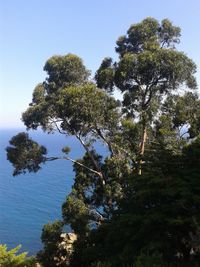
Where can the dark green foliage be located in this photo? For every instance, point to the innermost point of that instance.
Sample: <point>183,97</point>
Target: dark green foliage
<point>138,205</point>
<point>66,150</point>
<point>149,67</point>
<point>185,111</point>
<point>105,75</point>
<point>51,232</point>
<point>64,71</point>
<point>148,35</point>
<point>158,217</point>
<point>78,108</point>
<point>51,238</point>
<point>155,216</point>
<point>25,154</point>
<point>88,185</point>
<point>76,213</point>
<point>91,202</point>
<point>191,155</point>
<point>82,106</point>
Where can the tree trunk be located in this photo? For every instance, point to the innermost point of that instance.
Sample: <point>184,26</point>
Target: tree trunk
<point>142,148</point>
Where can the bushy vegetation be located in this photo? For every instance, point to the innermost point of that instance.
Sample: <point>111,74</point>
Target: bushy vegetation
<point>12,258</point>
<point>138,205</point>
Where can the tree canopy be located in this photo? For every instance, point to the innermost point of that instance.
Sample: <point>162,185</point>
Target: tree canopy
<point>141,200</point>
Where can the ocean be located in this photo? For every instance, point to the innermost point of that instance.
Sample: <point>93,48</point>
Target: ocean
<point>29,201</point>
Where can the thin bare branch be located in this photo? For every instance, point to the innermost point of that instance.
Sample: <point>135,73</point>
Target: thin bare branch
<point>96,165</point>
<point>76,162</point>
<point>183,134</point>
<point>100,134</point>
<point>61,132</point>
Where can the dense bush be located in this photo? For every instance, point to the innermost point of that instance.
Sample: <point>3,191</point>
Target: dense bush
<point>12,258</point>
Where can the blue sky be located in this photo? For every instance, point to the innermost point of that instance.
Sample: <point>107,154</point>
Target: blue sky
<point>31,31</point>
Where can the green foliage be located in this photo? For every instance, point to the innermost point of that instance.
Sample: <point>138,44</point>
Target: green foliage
<point>185,111</point>
<point>51,232</point>
<point>158,214</point>
<point>8,258</point>
<point>159,224</point>
<point>25,154</point>
<point>149,67</point>
<point>76,213</point>
<point>138,205</point>
<point>101,264</point>
<point>148,260</point>
<point>66,150</point>
<point>84,108</point>
<point>52,253</point>
<point>38,94</point>
<point>64,71</point>
<point>148,35</point>
<point>105,75</point>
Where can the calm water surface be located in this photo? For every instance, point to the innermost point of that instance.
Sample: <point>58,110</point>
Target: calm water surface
<point>29,201</point>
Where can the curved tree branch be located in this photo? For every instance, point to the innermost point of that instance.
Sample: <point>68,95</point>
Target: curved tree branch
<point>76,162</point>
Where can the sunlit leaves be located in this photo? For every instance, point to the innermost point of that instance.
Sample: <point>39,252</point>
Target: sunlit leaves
<point>64,71</point>
<point>12,258</point>
<point>148,35</point>
<point>84,108</point>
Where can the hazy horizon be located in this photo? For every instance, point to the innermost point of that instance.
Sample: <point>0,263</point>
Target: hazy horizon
<point>33,31</point>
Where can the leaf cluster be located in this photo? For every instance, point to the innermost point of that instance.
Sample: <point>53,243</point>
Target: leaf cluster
<point>25,154</point>
<point>12,258</point>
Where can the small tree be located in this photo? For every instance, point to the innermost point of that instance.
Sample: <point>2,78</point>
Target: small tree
<point>52,255</point>
<point>8,258</point>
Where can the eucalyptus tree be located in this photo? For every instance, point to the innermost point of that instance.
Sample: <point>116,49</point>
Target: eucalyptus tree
<point>149,69</point>
<point>152,124</point>
<point>157,222</point>
<point>69,103</point>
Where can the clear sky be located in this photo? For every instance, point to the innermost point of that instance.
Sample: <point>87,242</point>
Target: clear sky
<point>31,31</point>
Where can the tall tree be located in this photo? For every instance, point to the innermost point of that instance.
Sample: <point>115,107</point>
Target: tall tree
<point>67,102</point>
<point>157,223</point>
<point>155,124</point>
<point>149,69</point>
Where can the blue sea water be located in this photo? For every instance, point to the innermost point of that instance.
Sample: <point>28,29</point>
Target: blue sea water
<point>29,201</point>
